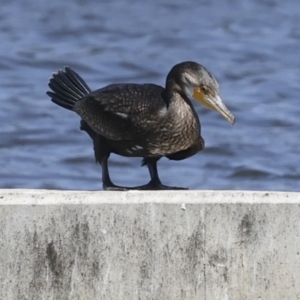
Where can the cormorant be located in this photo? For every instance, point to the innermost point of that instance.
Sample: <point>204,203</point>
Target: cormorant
<point>142,120</point>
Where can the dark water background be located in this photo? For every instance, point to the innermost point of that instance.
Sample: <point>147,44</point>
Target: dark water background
<point>252,48</point>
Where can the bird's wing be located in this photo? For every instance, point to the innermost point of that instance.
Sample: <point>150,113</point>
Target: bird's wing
<point>123,111</point>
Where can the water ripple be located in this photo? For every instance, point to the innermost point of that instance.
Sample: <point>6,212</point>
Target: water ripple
<point>252,50</point>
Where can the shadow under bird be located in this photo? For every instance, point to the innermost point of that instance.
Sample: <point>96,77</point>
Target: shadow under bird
<point>142,120</point>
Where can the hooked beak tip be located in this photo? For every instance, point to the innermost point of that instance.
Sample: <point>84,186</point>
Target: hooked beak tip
<point>223,110</point>
<point>232,120</point>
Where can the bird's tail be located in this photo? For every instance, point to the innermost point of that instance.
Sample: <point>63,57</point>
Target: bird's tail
<point>68,87</point>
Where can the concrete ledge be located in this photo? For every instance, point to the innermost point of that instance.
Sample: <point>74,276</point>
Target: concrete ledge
<point>225,245</point>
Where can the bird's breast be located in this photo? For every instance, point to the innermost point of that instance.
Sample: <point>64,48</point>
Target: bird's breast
<point>177,130</point>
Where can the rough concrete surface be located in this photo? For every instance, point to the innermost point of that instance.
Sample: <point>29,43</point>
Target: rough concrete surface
<point>223,245</point>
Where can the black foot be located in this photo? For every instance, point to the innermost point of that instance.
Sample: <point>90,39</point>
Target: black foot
<point>147,187</point>
<point>157,187</point>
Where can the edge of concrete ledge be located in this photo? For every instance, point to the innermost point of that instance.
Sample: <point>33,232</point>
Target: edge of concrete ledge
<point>62,197</point>
<point>149,244</point>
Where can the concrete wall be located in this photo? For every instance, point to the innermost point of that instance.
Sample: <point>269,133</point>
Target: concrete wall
<point>149,245</point>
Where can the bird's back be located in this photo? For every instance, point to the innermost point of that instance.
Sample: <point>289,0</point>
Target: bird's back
<point>123,111</point>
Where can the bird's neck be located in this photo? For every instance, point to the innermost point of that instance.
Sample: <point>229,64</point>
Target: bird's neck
<point>180,104</point>
<point>174,94</point>
<point>171,92</point>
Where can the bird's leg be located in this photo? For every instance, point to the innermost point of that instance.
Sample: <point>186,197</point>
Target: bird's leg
<point>101,155</point>
<point>155,183</point>
<point>106,181</point>
<point>152,167</point>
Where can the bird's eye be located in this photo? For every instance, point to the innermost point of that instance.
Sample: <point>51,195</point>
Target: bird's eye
<point>204,89</point>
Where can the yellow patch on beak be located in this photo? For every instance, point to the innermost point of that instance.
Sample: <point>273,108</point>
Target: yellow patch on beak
<point>199,96</point>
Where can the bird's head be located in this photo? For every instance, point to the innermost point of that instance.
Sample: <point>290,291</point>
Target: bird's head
<point>196,82</point>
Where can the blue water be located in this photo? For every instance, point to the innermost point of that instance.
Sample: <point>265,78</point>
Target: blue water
<point>252,48</point>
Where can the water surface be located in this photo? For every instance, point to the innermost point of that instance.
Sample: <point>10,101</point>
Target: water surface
<point>252,48</point>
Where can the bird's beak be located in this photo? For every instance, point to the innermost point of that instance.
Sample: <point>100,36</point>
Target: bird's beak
<point>214,103</point>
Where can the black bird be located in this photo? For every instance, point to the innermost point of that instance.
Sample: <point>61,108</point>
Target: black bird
<point>142,120</point>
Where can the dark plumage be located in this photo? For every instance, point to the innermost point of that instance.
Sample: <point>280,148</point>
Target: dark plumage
<point>141,120</point>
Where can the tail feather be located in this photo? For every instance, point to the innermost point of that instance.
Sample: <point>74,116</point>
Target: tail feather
<point>63,102</point>
<point>77,80</point>
<point>62,89</point>
<point>68,87</point>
